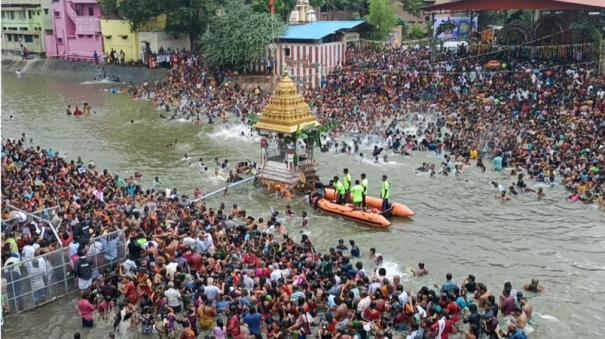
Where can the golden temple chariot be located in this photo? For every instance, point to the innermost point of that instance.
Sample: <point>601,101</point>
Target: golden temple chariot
<point>287,111</point>
<point>286,163</point>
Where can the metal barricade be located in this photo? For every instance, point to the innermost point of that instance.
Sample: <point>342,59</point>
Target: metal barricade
<point>42,279</point>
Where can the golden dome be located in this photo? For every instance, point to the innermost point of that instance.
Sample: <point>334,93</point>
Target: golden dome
<point>287,110</point>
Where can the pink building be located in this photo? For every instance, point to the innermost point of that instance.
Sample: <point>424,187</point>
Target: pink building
<point>77,30</point>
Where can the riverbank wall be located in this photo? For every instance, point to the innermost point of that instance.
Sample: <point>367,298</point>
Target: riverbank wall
<point>82,69</point>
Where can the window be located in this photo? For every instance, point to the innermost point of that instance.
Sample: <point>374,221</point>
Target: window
<point>29,14</point>
<point>46,11</point>
<point>48,32</point>
<point>57,14</point>
<point>29,38</point>
<point>9,37</point>
<point>91,11</point>
<point>287,52</point>
<point>23,28</point>
<point>60,40</point>
<point>79,10</point>
<point>124,37</point>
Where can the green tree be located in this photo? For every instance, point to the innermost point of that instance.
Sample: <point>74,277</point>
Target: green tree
<point>416,32</point>
<point>382,17</point>
<point>182,16</point>
<point>282,7</point>
<point>110,8</point>
<point>189,17</point>
<point>358,7</point>
<point>412,6</point>
<point>137,12</point>
<point>239,36</point>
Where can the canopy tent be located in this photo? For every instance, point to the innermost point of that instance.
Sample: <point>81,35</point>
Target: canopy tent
<point>502,5</point>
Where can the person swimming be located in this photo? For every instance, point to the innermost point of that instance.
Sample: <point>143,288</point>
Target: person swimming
<point>172,144</point>
<point>420,271</point>
<point>534,286</point>
<point>540,193</point>
<point>503,196</point>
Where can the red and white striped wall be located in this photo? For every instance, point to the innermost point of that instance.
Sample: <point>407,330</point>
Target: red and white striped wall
<point>306,63</point>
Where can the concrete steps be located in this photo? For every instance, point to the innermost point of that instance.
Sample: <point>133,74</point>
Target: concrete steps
<point>278,172</point>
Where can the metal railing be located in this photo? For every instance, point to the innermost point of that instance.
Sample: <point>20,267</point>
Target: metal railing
<point>36,281</point>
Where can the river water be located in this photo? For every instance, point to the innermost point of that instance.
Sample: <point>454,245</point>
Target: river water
<point>459,226</point>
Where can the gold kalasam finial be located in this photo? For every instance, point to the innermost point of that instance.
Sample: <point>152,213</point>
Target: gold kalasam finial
<point>285,70</point>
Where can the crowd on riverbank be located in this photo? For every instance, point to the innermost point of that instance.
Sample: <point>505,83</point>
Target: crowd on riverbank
<point>193,270</point>
<point>546,120</point>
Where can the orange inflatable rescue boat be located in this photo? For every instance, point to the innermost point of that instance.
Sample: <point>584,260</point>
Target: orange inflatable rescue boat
<point>347,211</point>
<point>397,209</point>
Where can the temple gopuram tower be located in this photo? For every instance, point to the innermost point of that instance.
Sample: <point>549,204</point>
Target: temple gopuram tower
<point>285,125</point>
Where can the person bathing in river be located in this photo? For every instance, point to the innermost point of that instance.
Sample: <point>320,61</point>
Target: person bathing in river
<point>172,144</point>
<point>305,219</point>
<point>420,271</point>
<point>534,286</point>
<point>503,196</point>
<point>540,193</point>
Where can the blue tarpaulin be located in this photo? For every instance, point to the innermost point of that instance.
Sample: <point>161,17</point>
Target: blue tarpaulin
<point>318,30</point>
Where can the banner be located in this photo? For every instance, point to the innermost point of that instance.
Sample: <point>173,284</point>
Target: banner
<point>457,28</point>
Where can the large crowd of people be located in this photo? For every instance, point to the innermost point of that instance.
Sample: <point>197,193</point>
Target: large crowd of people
<point>545,121</point>
<point>194,271</point>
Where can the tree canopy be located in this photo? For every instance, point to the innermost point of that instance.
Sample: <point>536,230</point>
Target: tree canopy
<point>412,6</point>
<point>136,12</point>
<point>239,36</point>
<point>382,17</point>
<point>182,16</point>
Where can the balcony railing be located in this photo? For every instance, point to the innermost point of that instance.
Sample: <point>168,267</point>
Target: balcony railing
<point>20,3</point>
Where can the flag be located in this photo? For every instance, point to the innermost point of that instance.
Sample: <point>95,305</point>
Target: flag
<point>272,6</point>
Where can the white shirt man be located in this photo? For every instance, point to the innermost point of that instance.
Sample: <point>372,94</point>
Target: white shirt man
<point>173,296</point>
<point>209,242</point>
<point>276,274</point>
<point>364,303</point>
<point>403,298</point>
<point>171,269</point>
<point>29,251</point>
<point>248,282</point>
<point>211,291</point>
